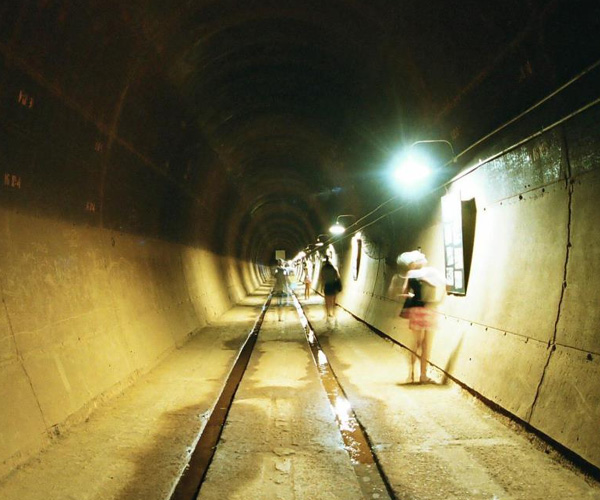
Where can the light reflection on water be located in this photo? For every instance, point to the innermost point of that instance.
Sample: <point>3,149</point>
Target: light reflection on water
<point>355,441</point>
<point>321,358</point>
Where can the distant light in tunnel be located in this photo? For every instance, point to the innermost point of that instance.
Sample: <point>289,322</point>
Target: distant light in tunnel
<point>321,238</point>
<point>299,256</point>
<point>337,228</point>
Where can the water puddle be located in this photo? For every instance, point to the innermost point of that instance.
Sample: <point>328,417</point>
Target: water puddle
<point>372,480</point>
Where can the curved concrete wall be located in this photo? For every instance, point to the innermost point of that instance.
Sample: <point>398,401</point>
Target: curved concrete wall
<point>111,232</point>
<point>85,311</point>
<point>525,335</point>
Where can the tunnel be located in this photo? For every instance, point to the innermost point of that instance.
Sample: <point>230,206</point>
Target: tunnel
<point>160,161</point>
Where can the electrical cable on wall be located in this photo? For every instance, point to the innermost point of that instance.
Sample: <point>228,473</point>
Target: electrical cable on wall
<point>480,163</point>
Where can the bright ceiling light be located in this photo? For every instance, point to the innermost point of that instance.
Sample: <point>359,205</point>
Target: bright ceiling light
<point>412,169</point>
<point>337,228</point>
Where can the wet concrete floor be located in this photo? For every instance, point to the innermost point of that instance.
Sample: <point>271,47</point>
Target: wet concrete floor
<point>282,439</point>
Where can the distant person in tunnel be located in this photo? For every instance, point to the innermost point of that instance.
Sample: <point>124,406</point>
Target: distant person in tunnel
<point>331,285</point>
<point>307,281</point>
<point>423,288</point>
<point>281,289</point>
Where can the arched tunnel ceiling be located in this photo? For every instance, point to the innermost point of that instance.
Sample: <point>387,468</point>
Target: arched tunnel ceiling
<point>305,100</point>
<point>282,114</point>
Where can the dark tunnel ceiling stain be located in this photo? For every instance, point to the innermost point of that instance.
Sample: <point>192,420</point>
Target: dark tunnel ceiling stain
<point>299,104</point>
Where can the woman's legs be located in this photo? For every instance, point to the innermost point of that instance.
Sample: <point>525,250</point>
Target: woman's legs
<point>413,362</point>
<point>330,307</point>
<point>307,291</point>
<point>421,352</point>
<point>416,353</point>
<point>328,304</point>
<point>333,311</point>
<point>425,352</point>
<point>280,307</point>
<point>422,323</point>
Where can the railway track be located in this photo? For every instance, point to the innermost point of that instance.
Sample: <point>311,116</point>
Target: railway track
<point>370,476</point>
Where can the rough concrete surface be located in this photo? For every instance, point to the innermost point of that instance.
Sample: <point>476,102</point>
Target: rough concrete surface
<point>580,318</point>
<point>281,440</point>
<point>570,385</point>
<point>84,312</point>
<point>432,440</point>
<point>135,446</point>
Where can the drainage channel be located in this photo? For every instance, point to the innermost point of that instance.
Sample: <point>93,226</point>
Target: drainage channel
<point>188,486</point>
<point>373,481</point>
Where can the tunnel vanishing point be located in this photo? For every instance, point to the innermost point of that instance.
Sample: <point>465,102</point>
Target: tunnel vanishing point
<point>154,155</point>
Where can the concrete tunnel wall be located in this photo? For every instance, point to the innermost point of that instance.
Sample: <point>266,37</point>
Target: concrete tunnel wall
<point>86,311</point>
<point>525,335</point>
<point>112,247</point>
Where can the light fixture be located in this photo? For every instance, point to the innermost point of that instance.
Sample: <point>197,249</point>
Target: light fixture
<point>429,141</point>
<point>338,228</point>
<point>321,241</point>
<point>413,167</point>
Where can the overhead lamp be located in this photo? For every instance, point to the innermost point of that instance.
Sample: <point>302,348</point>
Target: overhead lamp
<point>412,169</point>
<point>413,166</point>
<point>321,241</point>
<point>429,141</point>
<point>338,228</point>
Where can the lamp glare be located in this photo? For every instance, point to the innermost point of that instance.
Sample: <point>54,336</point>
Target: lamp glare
<point>412,170</point>
<point>337,229</point>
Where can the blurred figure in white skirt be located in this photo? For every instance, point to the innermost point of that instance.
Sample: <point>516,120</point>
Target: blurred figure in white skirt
<point>423,288</point>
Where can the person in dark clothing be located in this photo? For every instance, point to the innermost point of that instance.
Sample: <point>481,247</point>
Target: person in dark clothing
<point>331,285</point>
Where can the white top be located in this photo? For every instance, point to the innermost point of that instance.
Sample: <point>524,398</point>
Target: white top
<point>428,274</point>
